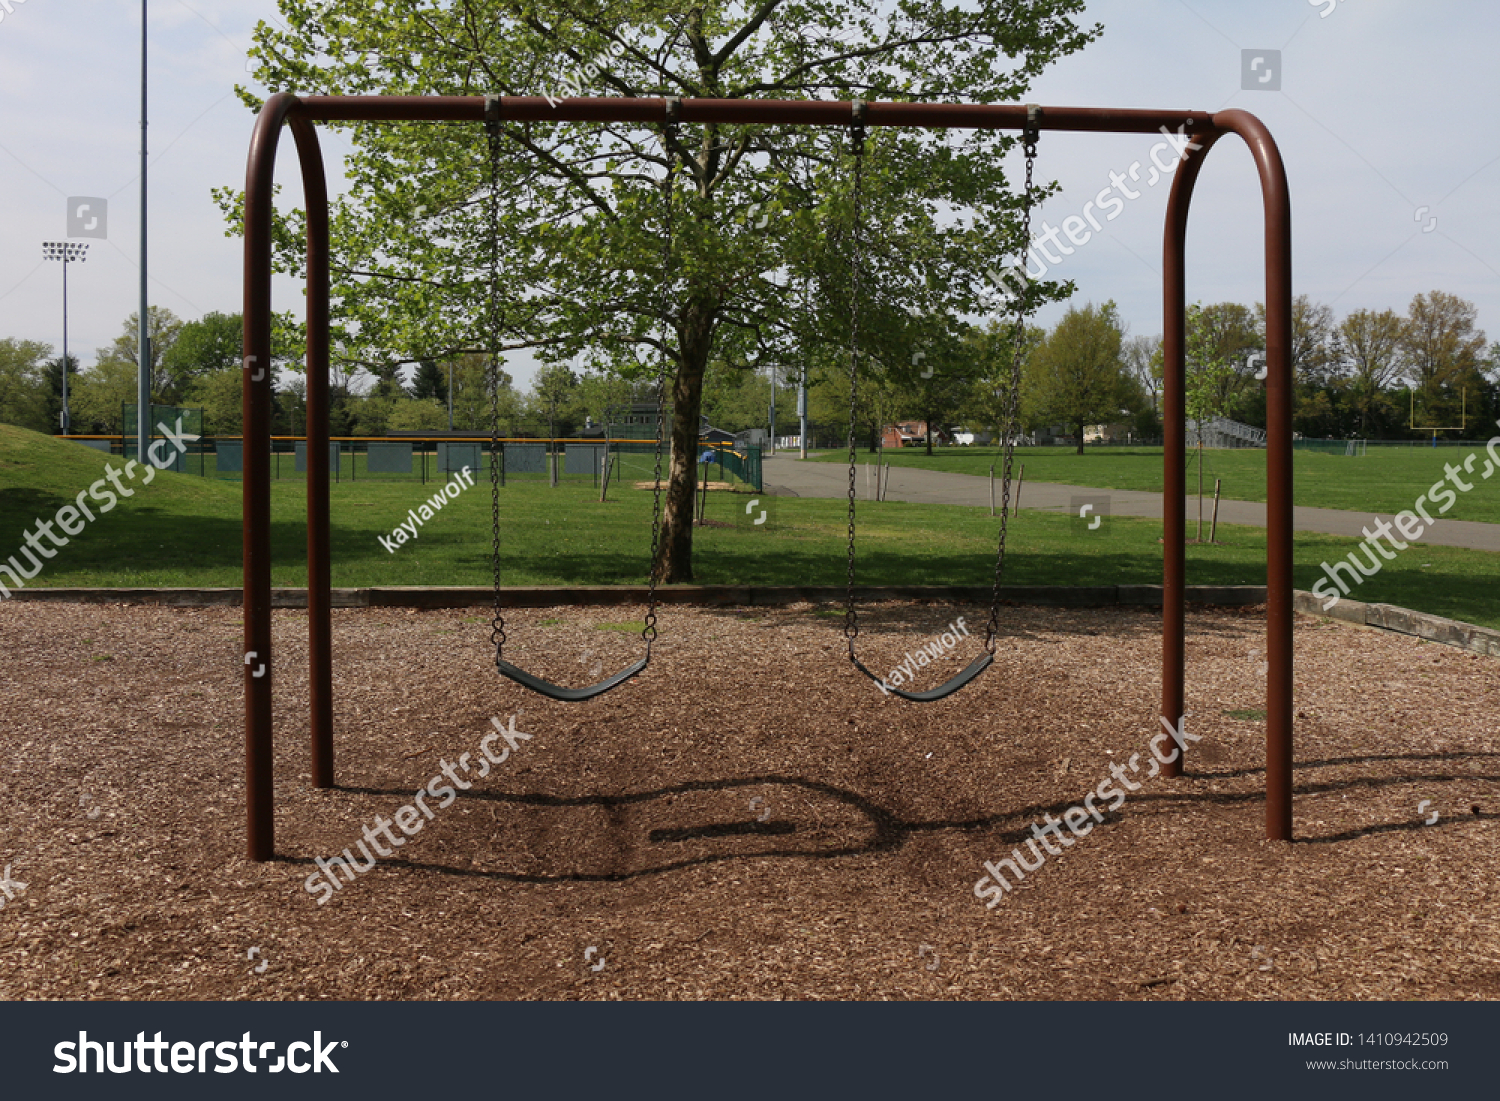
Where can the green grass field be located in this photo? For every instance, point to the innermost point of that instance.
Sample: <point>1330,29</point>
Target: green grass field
<point>183,530</point>
<point>1387,479</point>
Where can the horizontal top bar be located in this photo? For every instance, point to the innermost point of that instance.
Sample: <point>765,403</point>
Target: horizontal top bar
<point>745,111</point>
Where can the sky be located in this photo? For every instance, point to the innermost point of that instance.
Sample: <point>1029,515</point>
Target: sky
<point>1376,105</point>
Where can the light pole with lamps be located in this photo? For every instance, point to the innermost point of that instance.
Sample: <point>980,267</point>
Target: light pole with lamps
<point>69,253</point>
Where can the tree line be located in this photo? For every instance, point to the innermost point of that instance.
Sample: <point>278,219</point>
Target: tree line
<point>1372,374</point>
<point>199,363</point>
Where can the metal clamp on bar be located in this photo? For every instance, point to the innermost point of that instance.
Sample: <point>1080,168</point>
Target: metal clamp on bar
<point>492,113</point>
<point>674,110</point>
<point>857,128</point>
<point>1033,131</point>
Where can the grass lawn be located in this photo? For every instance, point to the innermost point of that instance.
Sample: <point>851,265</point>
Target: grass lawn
<point>1387,479</point>
<point>182,530</point>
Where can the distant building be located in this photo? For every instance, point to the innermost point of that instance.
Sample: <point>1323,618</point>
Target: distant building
<point>911,434</point>
<point>638,421</point>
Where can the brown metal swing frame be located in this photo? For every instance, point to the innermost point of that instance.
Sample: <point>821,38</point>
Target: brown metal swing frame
<point>300,114</point>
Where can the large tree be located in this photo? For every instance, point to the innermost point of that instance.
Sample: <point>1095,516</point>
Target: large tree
<point>1445,354</point>
<point>201,348</point>
<point>583,269</point>
<point>24,387</point>
<point>162,329</point>
<point>97,397</point>
<point>1371,344</point>
<point>1077,376</point>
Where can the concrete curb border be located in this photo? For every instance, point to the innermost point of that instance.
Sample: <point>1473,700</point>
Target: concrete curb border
<point>1386,617</point>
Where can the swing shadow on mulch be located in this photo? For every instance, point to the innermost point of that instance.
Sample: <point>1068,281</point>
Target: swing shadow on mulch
<point>886,831</point>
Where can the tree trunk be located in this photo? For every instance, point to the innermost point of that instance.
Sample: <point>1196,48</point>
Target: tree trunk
<point>1080,438</point>
<point>696,338</point>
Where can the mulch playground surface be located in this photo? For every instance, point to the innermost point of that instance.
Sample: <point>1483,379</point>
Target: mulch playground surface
<point>749,819</point>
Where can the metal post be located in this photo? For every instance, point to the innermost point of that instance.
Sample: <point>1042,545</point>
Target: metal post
<point>773,409</point>
<point>68,253</point>
<point>66,426</point>
<point>1174,447</point>
<point>143,336</point>
<point>802,411</point>
<point>319,527</point>
<point>1278,254</point>
<point>255,487</point>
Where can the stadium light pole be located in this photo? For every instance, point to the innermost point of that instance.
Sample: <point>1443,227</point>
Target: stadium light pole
<point>68,253</point>
<point>802,410</point>
<point>143,338</point>
<point>773,409</point>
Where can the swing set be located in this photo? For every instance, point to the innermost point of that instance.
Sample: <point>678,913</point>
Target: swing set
<point>300,114</point>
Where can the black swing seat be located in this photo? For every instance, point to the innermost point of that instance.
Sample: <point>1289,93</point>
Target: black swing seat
<point>569,695</point>
<point>974,668</point>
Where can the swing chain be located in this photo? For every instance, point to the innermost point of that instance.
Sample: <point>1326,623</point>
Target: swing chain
<point>857,148</point>
<point>1029,137</point>
<point>669,142</point>
<point>492,366</point>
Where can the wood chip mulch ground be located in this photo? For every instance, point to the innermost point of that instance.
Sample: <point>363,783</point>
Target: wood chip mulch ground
<point>748,819</point>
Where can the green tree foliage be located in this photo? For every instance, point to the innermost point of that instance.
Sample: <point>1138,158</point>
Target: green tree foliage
<point>993,349</point>
<point>735,399</point>
<point>472,400</point>
<point>202,348</point>
<point>1444,352</point>
<point>98,395</point>
<point>220,394</point>
<point>1372,349</point>
<point>600,391</point>
<point>431,383</point>
<point>1077,376</point>
<point>583,274</point>
<point>417,415</point>
<point>25,391</point>
<point>162,330</point>
<point>554,400</point>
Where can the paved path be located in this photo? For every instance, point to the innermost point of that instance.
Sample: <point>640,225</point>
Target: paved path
<point>786,475</point>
